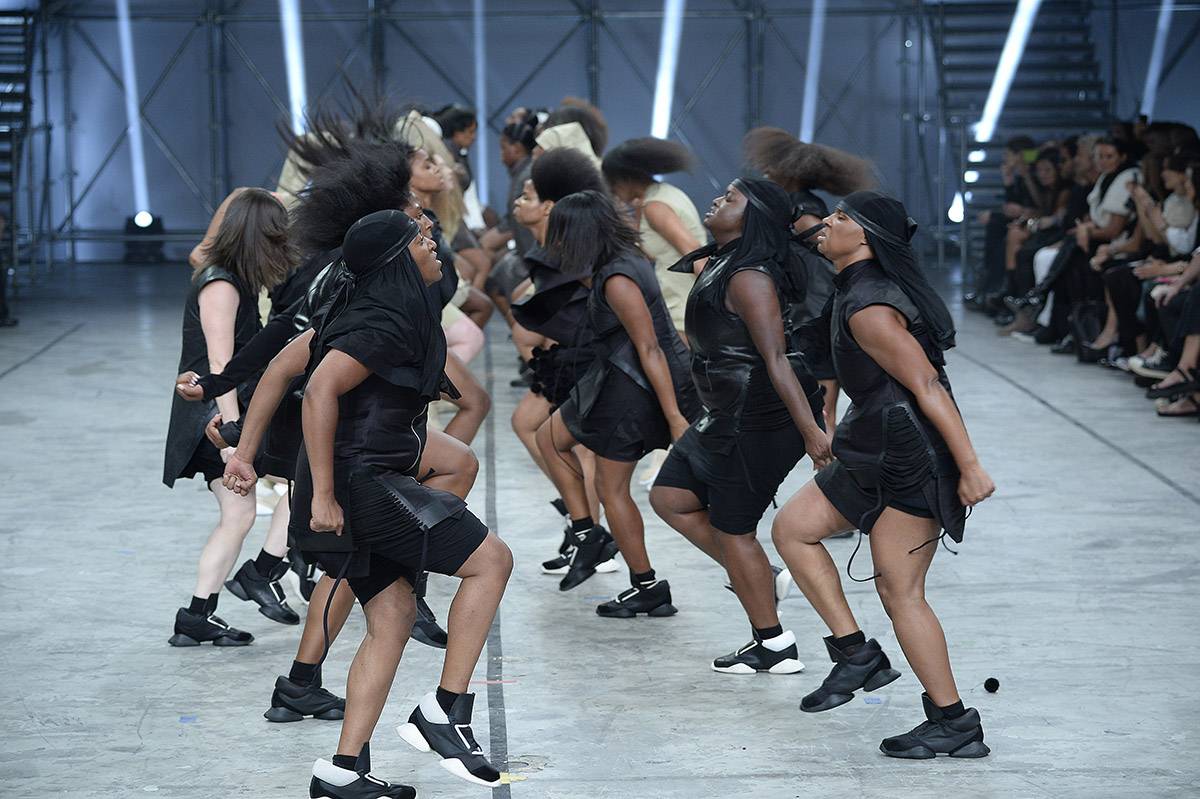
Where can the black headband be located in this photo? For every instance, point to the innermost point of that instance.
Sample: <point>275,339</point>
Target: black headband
<point>753,199</point>
<point>869,226</point>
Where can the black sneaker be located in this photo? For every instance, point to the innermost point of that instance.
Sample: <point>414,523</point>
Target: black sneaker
<point>783,584</point>
<point>426,628</point>
<point>1044,335</point>
<point>651,600</point>
<point>341,783</point>
<point>586,553</point>
<point>865,668</point>
<point>193,629</point>
<point>305,572</point>
<point>430,728</point>
<point>777,656</point>
<point>292,701</point>
<point>561,563</point>
<point>960,737</point>
<point>249,585</point>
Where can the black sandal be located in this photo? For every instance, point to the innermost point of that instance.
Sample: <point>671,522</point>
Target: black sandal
<point>1195,411</point>
<point>1159,391</point>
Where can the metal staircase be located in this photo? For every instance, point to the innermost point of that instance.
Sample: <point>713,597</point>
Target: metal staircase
<point>16,66</point>
<point>1057,91</point>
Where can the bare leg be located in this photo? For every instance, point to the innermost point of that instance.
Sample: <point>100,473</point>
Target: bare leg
<point>465,339</point>
<point>474,404</point>
<point>525,340</point>
<point>390,615</point>
<point>225,542</point>
<point>531,413</point>
<point>448,464</point>
<point>686,515</point>
<point>276,542</point>
<point>557,446</point>
<point>312,639</point>
<point>587,461</point>
<point>1108,336</point>
<point>751,576</point>
<point>484,577</point>
<point>478,307</point>
<point>901,587</point>
<point>624,519</point>
<point>804,522</point>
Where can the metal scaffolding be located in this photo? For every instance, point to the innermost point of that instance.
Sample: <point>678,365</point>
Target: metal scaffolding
<point>62,31</point>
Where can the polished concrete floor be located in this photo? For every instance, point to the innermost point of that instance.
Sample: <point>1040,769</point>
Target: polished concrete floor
<point>1077,587</point>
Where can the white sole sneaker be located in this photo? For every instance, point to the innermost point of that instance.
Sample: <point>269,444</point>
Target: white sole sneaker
<point>411,735</point>
<point>789,666</point>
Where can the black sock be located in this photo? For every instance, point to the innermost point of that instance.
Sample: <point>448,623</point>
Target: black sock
<point>642,580</point>
<point>210,607</point>
<point>953,711</point>
<point>582,525</point>
<point>345,761</point>
<point>305,674</point>
<point>266,562</point>
<point>847,643</point>
<point>446,699</point>
<point>767,633</point>
<point>198,604</point>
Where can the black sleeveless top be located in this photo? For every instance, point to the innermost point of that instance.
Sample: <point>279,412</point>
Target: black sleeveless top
<point>727,368</point>
<point>186,430</point>
<point>860,440</point>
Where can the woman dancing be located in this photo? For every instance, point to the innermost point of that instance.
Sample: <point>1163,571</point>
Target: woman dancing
<point>635,397</point>
<point>904,470</point>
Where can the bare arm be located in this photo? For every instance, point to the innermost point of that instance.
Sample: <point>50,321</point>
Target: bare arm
<point>200,252</point>
<point>883,333</point>
<point>752,297</point>
<point>337,374</point>
<point>218,314</point>
<point>630,307</point>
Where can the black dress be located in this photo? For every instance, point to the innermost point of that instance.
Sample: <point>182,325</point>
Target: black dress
<point>613,410</point>
<point>188,452</point>
<point>887,453</point>
<point>736,455</point>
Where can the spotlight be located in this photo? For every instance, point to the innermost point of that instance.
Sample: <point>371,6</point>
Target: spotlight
<point>133,117</point>
<point>971,176</point>
<point>955,214</point>
<point>668,59</point>
<point>1006,69</point>
<point>1153,72</point>
<point>812,71</point>
<point>293,56</point>
<point>976,156</point>
<point>143,239</point>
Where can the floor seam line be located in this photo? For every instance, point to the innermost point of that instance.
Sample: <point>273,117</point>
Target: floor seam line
<point>59,338</point>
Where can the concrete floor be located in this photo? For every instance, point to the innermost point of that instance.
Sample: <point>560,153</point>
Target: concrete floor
<point>1077,587</point>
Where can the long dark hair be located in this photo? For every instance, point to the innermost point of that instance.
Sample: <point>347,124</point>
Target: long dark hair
<point>454,118</point>
<point>367,177</point>
<point>639,160</point>
<point>586,232</point>
<point>332,131</point>
<point>587,115</point>
<point>252,241</point>
<point>563,171</point>
<point>799,166</point>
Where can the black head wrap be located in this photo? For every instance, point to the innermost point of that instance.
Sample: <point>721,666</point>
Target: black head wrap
<point>889,231</point>
<point>383,315</point>
<point>766,237</point>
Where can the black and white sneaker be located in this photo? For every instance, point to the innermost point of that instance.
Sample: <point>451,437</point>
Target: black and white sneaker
<point>561,563</point>
<point>193,629</point>
<point>305,572</point>
<point>865,667</point>
<point>332,782</point>
<point>649,600</point>
<point>431,729</point>
<point>248,585</point>
<point>783,584</point>
<point>938,735</point>
<point>774,656</point>
<point>587,552</point>
<point>292,701</point>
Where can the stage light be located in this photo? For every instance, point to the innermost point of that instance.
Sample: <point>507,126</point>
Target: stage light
<point>293,56</point>
<point>1154,71</point>
<point>143,239</point>
<point>668,60</point>
<point>143,218</point>
<point>812,71</point>
<point>971,176</point>
<point>955,214</point>
<point>976,156</point>
<point>1006,69</point>
<point>133,118</point>
<point>481,146</point>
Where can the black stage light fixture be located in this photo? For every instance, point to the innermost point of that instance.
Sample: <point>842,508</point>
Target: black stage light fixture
<point>144,244</point>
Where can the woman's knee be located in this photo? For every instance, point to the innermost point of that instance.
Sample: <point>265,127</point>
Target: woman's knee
<point>897,598</point>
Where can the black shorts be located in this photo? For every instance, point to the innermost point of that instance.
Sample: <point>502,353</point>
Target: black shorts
<point>861,506</point>
<point>393,547</point>
<point>737,485</point>
<point>205,460</point>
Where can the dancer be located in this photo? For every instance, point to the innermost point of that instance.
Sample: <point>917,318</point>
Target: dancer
<point>635,397</point>
<point>376,361</point>
<point>904,470</point>
<point>251,252</point>
<point>555,315</point>
<point>762,408</point>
